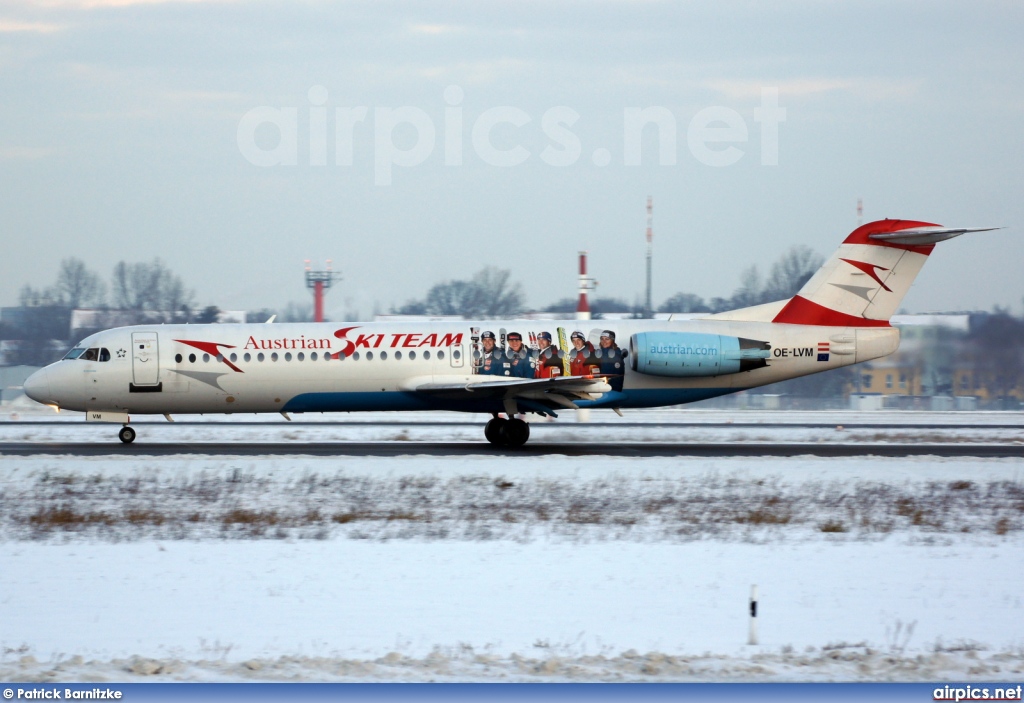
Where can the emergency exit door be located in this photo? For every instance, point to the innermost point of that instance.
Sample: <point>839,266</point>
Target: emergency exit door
<point>145,358</point>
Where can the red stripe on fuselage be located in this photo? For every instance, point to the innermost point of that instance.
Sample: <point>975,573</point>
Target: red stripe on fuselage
<point>211,349</point>
<point>801,311</point>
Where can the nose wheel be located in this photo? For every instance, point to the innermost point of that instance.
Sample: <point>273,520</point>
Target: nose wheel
<point>126,435</point>
<point>507,433</point>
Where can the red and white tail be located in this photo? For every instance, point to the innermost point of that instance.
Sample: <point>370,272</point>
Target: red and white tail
<point>862,284</point>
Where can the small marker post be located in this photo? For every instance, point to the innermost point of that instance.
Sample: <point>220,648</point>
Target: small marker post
<point>752,639</point>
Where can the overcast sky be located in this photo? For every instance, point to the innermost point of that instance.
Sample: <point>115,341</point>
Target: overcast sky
<point>123,136</point>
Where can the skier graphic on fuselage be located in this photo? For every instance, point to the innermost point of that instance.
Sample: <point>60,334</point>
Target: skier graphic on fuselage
<point>611,359</point>
<point>581,358</point>
<point>518,356</point>
<point>549,363</point>
<point>492,361</point>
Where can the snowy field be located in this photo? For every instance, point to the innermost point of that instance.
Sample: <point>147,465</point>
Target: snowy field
<point>487,568</point>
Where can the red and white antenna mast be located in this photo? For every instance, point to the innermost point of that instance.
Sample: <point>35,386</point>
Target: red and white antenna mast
<point>649,306</point>
<point>586,283</point>
<point>319,281</point>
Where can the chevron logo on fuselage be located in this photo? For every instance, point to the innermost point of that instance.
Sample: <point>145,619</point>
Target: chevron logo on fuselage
<point>869,269</point>
<point>859,291</point>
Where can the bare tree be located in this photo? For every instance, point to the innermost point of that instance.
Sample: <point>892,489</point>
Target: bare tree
<point>490,293</point>
<point>129,289</point>
<point>750,292</point>
<point>453,298</point>
<point>297,312</point>
<point>790,273</point>
<point>684,302</point>
<point>997,342</point>
<point>498,296</point>
<point>77,286</point>
<point>30,297</point>
<point>150,287</point>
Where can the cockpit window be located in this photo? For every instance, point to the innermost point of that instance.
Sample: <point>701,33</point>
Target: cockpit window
<point>104,354</point>
<point>90,355</point>
<point>74,353</point>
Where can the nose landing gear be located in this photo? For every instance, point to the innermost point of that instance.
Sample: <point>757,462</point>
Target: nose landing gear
<point>507,433</point>
<point>126,435</point>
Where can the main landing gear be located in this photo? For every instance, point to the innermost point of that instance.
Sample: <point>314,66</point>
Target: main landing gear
<point>126,435</point>
<point>506,433</point>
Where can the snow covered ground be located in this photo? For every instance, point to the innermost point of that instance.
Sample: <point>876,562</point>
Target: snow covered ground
<point>490,568</point>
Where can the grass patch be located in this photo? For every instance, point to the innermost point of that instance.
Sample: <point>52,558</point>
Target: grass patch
<point>66,517</point>
<point>240,516</point>
<point>407,516</point>
<point>1002,526</point>
<point>137,516</point>
<point>582,515</point>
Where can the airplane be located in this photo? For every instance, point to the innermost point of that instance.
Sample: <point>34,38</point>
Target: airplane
<point>839,317</point>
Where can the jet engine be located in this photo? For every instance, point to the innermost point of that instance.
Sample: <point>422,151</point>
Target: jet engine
<point>688,354</point>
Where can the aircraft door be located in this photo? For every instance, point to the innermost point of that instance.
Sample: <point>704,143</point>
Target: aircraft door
<point>458,358</point>
<point>145,358</point>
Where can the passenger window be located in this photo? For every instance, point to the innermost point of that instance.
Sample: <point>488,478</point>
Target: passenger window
<point>440,354</point>
<point>426,355</point>
<point>383,356</point>
<point>369,356</point>
<point>412,355</point>
<point>104,354</point>
<point>312,357</point>
<point>398,355</point>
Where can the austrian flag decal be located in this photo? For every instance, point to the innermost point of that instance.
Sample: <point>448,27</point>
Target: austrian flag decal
<point>822,351</point>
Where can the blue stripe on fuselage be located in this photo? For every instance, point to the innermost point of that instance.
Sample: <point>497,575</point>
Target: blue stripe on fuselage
<point>399,400</point>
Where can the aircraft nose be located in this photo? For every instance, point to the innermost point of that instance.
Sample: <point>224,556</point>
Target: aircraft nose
<point>37,386</point>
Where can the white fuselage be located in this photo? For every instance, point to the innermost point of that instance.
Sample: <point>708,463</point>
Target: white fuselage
<point>331,367</point>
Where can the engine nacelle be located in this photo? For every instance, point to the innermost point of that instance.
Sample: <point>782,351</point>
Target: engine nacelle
<point>688,354</point>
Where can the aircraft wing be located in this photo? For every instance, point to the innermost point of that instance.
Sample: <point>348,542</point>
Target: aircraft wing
<point>533,394</point>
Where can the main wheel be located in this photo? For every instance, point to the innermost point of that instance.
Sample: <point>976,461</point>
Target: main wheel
<point>493,430</point>
<point>126,435</point>
<point>516,432</point>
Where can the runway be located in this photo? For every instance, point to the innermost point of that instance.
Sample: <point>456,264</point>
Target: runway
<point>480,423</point>
<point>456,449</point>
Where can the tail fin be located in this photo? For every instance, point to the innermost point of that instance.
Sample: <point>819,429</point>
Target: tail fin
<point>862,284</point>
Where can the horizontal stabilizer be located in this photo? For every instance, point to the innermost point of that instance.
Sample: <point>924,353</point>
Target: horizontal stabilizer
<point>926,235</point>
